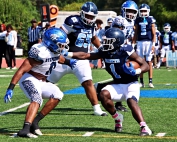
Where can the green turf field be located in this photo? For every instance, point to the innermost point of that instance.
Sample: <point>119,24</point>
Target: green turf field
<point>73,117</point>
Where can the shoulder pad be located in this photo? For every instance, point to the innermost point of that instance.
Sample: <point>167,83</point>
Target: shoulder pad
<point>72,20</point>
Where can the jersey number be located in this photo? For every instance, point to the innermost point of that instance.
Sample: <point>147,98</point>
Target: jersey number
<point>143,29</point>
<point>83,40</point>
<point>52,66</point>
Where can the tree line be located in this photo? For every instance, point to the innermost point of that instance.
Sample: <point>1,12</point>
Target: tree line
<point>20,12</point>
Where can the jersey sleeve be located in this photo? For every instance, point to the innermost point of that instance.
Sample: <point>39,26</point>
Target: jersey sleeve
<point>35,54</point>
<point>128,49</point>
<point>69,23</point>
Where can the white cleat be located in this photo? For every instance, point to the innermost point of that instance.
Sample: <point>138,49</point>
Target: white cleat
<point>100,113</point>
<point>38,132</point>
<point>151,85</point>
<point>29,135</point>
<point>118,123</point>
<point>145,131</point>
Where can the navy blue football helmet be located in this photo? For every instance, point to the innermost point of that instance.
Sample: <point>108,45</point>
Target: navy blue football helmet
<point>129,10</point>
<point>56,40</point>
<point>89,8</point>
<point>109,21</point>
<point>144,10</point>
<point>166,27</point>
<point>112,40</point>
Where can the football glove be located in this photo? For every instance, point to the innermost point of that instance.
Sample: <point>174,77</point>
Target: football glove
<point>129,70</point>
<point>73,63</point>
<point>64,52</point>
<point>8,95</point>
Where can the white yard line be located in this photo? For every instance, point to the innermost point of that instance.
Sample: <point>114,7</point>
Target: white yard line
<point>88,134</point>
<point>13,109</point>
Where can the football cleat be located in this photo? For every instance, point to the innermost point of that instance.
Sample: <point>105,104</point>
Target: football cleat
<point>98,111</point>
<point>120,107</point>
<point>151,85</point>
<point>38,132</point>
<point>25,135</point>
<point>145,131</point>
<point>35,129</point>
<point>141,85</point>
<point>118,123</point>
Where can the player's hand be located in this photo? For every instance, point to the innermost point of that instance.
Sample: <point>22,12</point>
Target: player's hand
<point>73,63</point>
<point>64,52</point>
<point>8,95</point>
<point>129,70</point>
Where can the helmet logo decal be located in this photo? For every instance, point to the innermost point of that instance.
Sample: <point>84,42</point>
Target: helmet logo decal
<point>54,36</point>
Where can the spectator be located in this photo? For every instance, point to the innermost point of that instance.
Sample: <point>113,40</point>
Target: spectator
<point>2,43</point>
<point>33,34</point>
<point>19,41</point>
<point>11,39</point>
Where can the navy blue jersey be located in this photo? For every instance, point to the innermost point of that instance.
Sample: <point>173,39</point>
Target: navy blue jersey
<point>157,35</point>
<point>166,38</point>
<point>115,60</point>
<point>144,28</point>
<point>80,39</point>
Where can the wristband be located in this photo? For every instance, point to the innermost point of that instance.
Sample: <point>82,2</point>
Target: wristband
<point>138,71</point>
<point>70,54</point>
<point>11,86</point>
<point>67,61</point>
<point>153,43</point>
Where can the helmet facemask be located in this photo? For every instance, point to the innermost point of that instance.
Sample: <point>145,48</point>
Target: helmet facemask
<point>108,44</point>
<point>166,29</point>
<point>144,12</point>
<point>88,18</point>
<point>130,14</point>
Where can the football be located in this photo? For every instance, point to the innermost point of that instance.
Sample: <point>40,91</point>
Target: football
<point>135,64</point>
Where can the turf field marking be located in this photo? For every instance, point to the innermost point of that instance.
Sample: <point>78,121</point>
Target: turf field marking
<point>106,136</point>
<point>6,75</point>
<point>88,134</point>
<point>13,109</point>
<point>160,134</point>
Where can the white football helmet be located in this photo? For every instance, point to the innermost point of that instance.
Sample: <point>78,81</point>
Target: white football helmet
<point>166,27</point>
<point>144,10</point>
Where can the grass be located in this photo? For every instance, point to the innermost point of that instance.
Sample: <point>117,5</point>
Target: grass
<point>73,117</point>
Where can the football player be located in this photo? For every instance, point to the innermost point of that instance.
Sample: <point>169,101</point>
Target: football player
<point>129,11</point>
<point>165,42</point>
<point>174,38</point>
<point>145,38</point>
<point>157,47</point>
<point>32,74</point>
<point>125,22</point>
<point>81,33</point>
<point>109,23</point>
<point>125,87</point>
